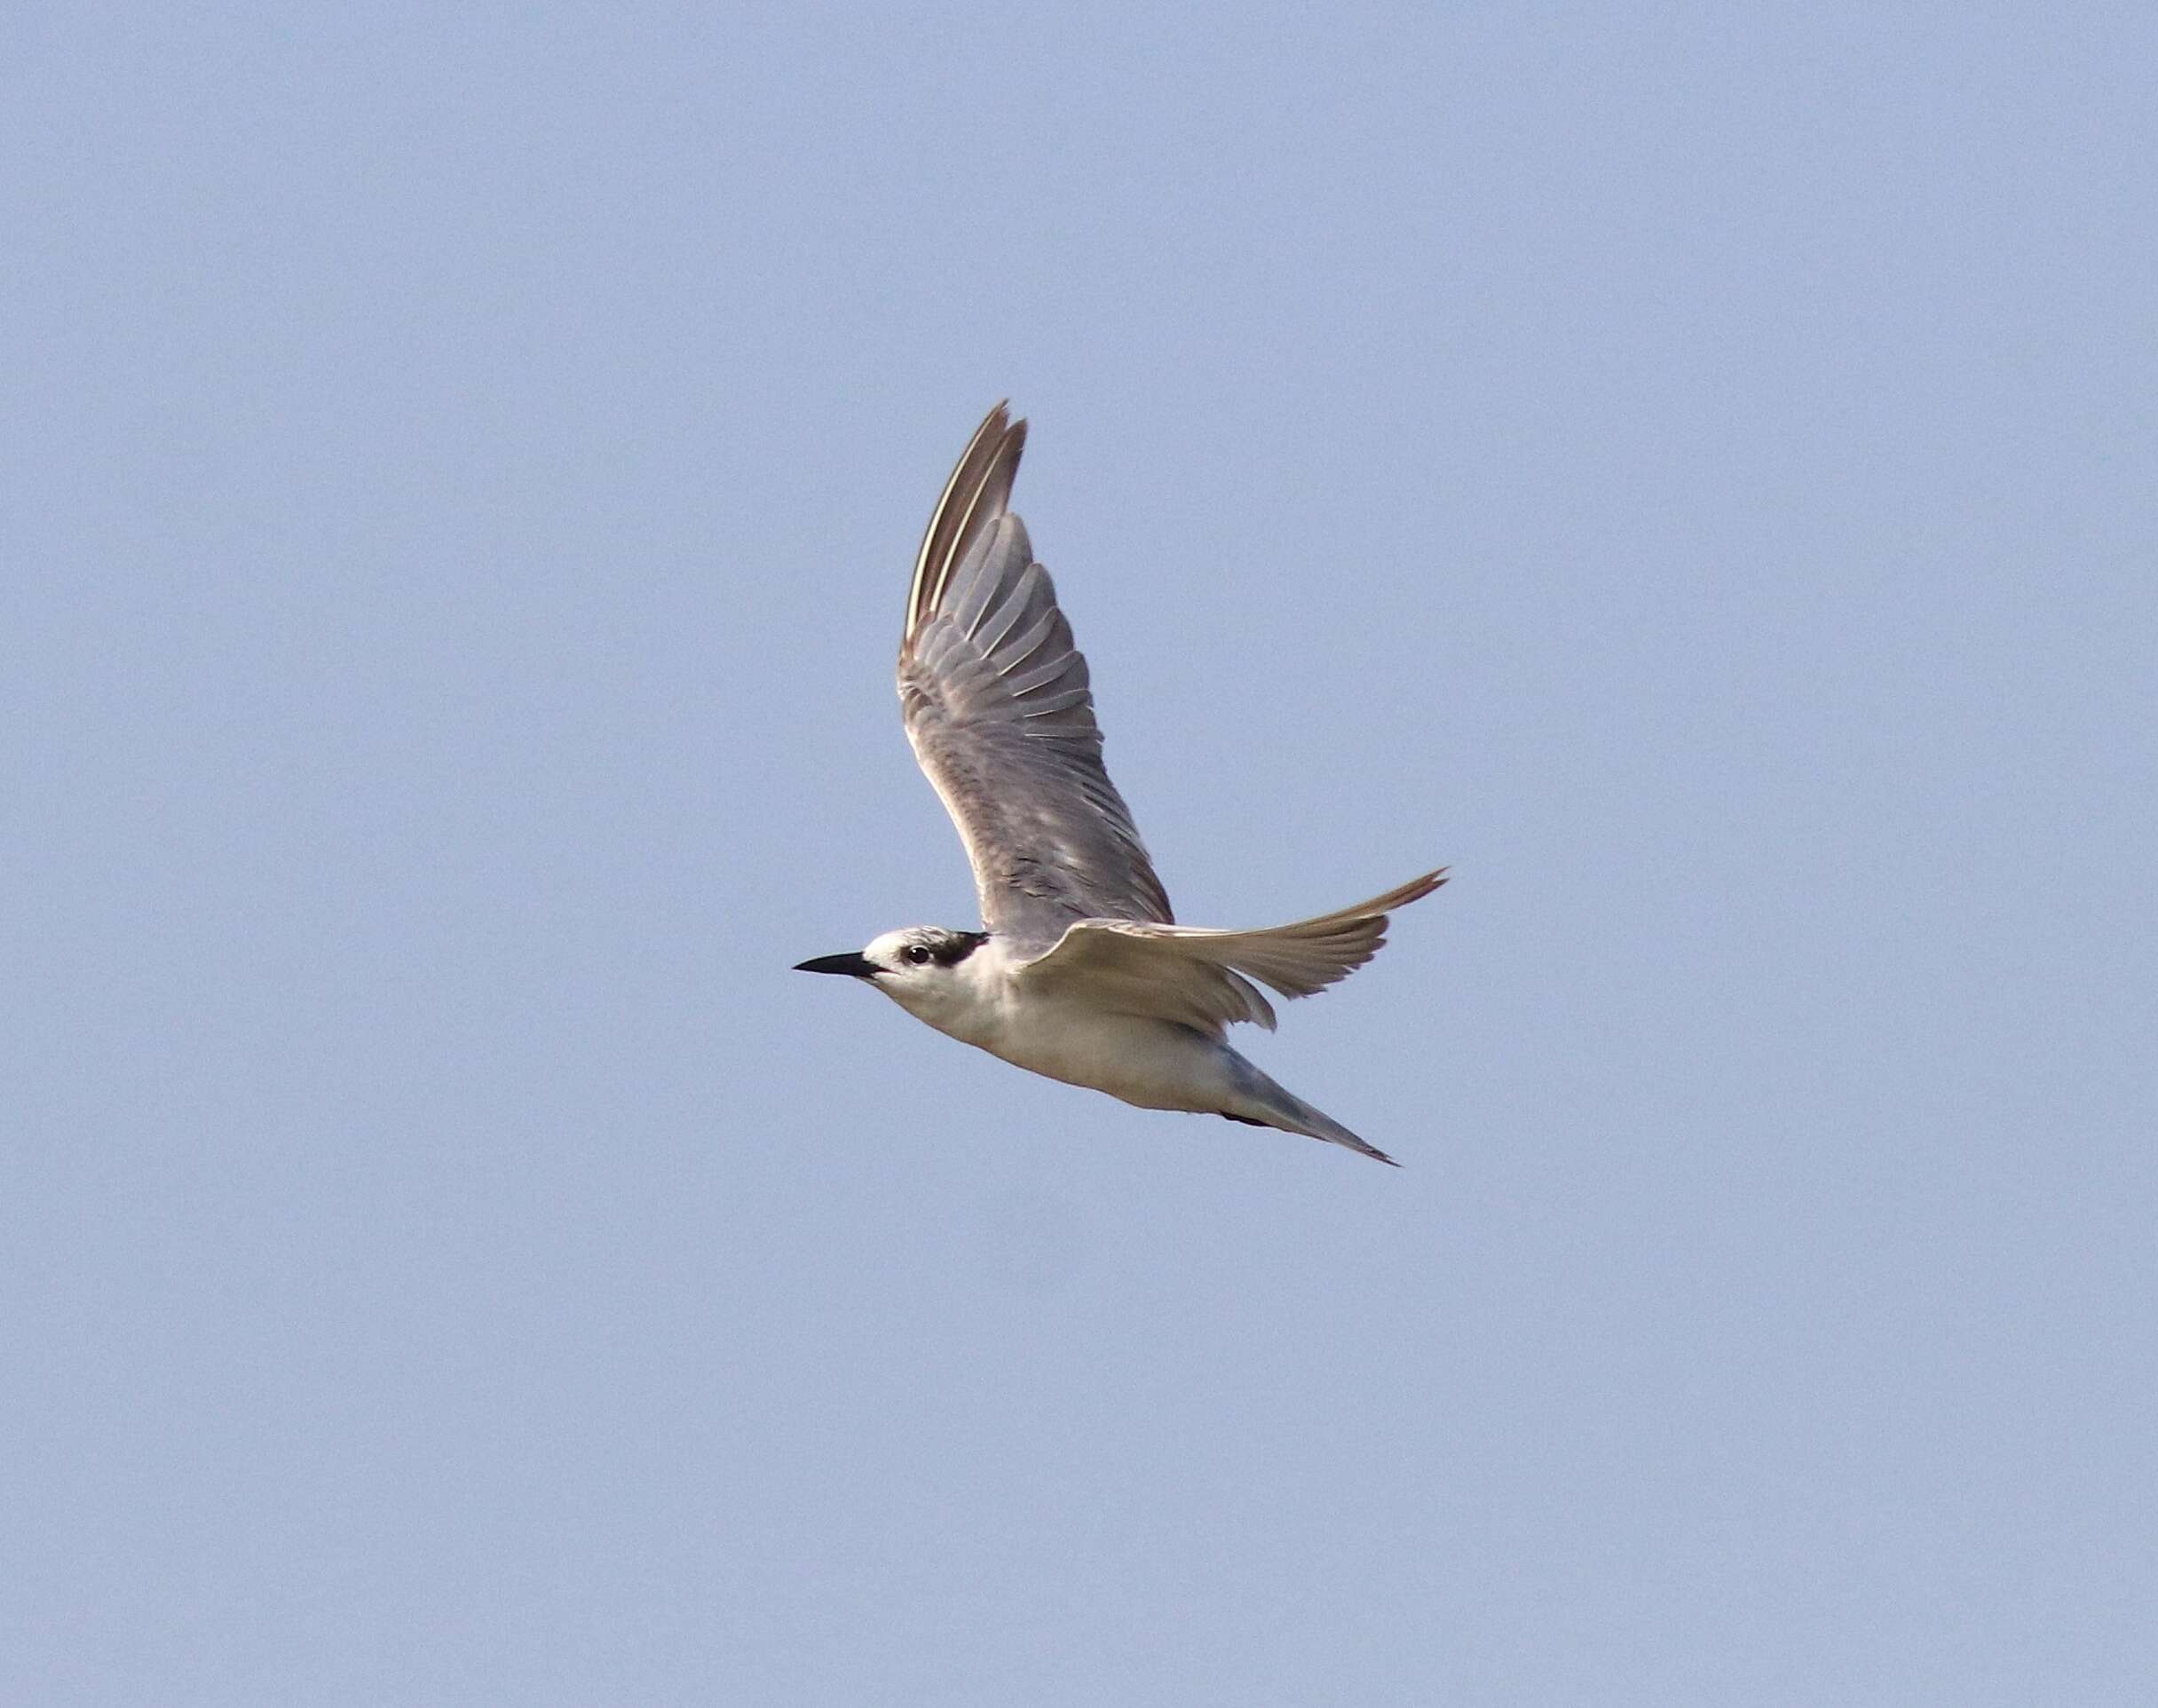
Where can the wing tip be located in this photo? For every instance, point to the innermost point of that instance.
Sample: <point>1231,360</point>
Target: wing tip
<point>1415,890</point>
<point>992,457</point>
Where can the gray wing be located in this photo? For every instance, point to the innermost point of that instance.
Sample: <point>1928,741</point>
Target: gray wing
<point>998,710</point>
<point>1209,979</point>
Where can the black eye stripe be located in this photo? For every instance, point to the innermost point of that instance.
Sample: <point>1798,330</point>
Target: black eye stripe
<point>946,951</point>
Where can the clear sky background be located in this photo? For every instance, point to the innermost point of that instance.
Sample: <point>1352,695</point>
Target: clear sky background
<point>1690,468</point>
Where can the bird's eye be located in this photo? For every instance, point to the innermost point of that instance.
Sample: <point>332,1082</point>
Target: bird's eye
<point>917,955</point>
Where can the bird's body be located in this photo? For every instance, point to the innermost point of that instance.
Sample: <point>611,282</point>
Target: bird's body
<point>1082,974</point>
<point>1152,1063</point>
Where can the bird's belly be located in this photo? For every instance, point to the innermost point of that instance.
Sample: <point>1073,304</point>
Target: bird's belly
<point>1151,1063</point>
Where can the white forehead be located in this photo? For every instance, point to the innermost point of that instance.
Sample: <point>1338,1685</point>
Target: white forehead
<point>887,949</point>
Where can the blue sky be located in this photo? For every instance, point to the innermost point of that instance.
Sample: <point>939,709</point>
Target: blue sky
<point>1690,469</point>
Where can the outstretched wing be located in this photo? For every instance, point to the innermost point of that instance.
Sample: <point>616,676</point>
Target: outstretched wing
<point>997,707</point>
<point>1205,978</point>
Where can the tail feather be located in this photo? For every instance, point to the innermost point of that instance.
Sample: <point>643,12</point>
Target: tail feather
<point>1262,1103</point>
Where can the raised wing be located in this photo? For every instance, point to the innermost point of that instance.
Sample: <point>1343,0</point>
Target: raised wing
<point>997,707</point>
<point>1204,978</point>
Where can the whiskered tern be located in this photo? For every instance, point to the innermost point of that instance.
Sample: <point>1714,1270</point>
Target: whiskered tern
<point>1080,971</point>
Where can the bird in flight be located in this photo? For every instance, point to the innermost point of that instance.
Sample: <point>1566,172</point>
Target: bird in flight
<point>1080,972</point>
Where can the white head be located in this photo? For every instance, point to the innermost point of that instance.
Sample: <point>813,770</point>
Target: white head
<point>924,968</point>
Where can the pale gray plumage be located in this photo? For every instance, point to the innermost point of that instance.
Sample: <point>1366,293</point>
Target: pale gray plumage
<point>1202,978</point>
<point>1082,975</point>
<point>1000,717</point>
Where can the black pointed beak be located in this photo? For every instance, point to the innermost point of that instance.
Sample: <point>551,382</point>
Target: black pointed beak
<point>853,966</point>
